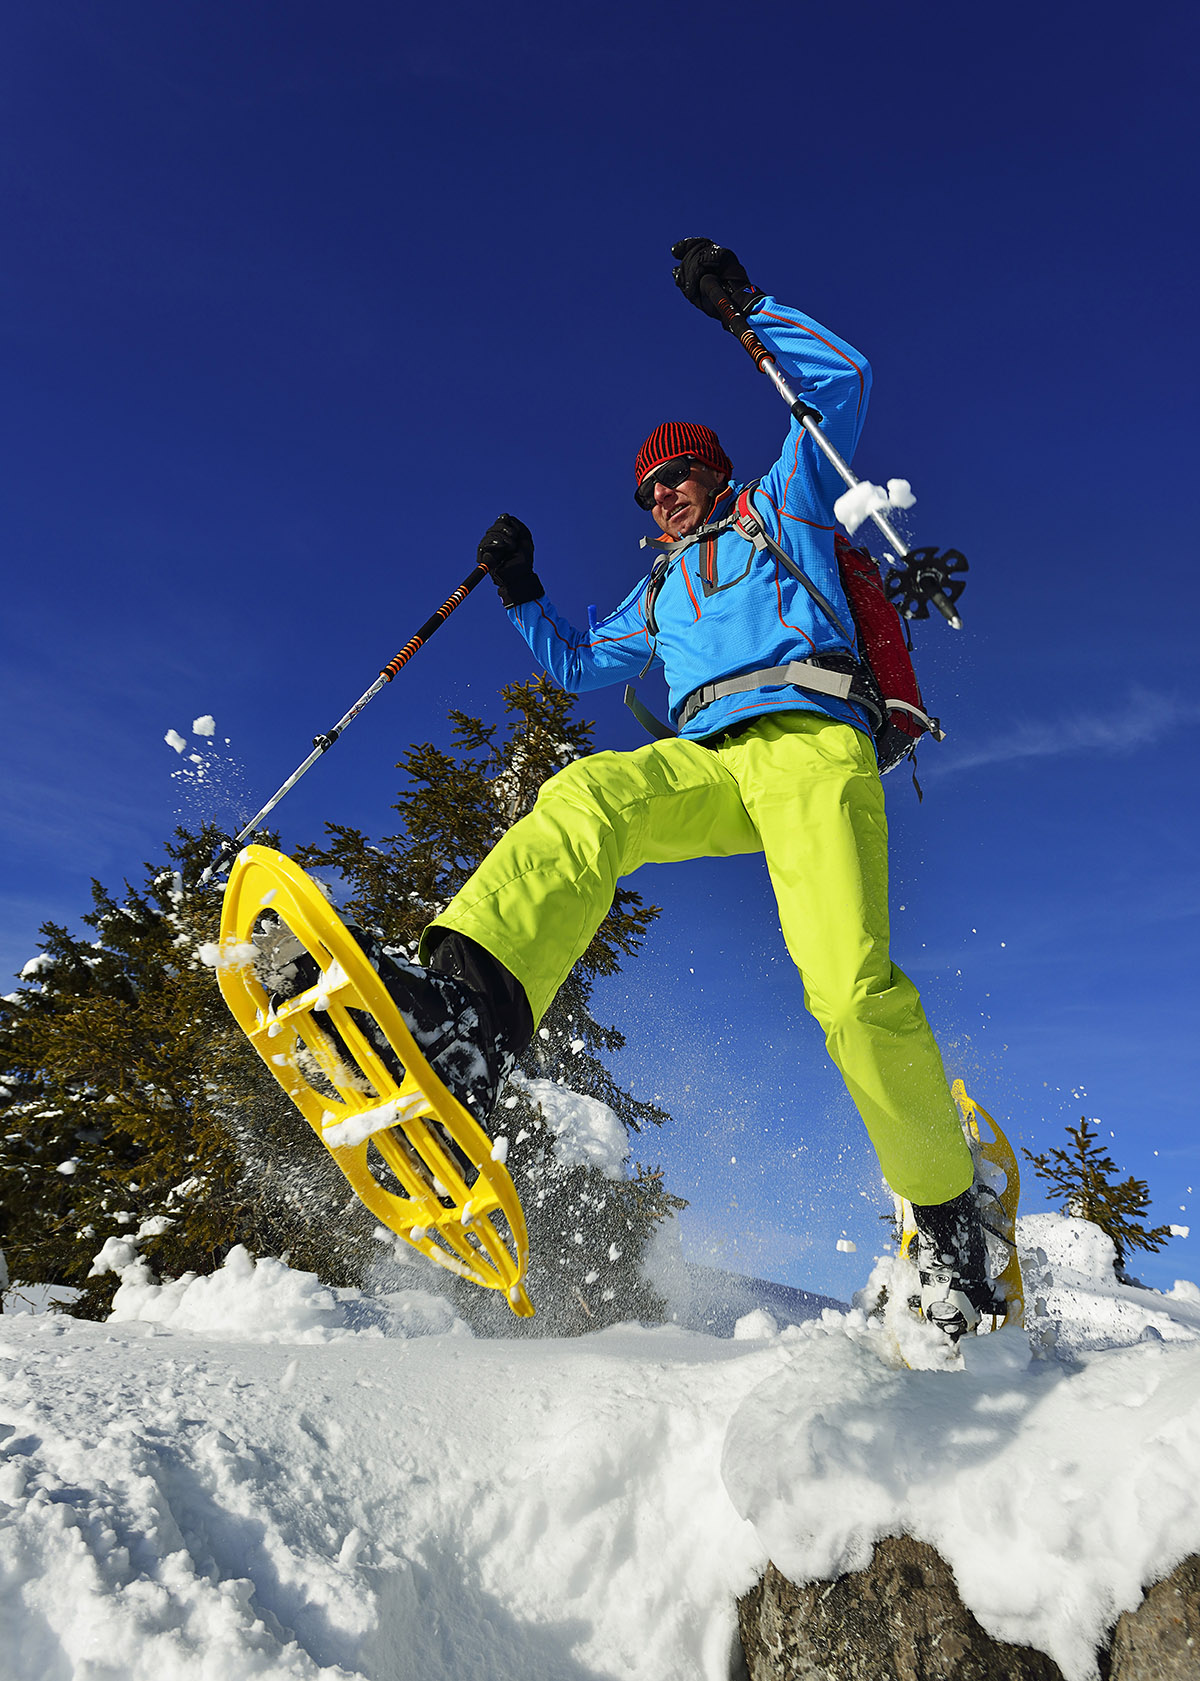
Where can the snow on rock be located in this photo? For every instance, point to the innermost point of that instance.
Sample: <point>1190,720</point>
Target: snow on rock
<point>252,1476</point>
<point>586,1132</point>
<point>1053,1492</point>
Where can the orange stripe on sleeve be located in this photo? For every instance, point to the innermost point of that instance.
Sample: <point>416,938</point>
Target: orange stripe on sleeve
<point>783,320</point>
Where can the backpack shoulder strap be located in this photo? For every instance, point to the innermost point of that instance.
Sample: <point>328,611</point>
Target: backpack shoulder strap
<point>749,522</point>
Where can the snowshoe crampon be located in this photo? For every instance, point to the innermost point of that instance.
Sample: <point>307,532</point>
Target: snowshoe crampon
<point>998,1187</point>
<point>365,1117</point>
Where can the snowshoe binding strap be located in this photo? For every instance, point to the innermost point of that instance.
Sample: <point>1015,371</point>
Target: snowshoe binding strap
<point>996,1191</point>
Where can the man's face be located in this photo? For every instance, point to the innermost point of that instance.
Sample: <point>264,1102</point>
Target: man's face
<point>681,509</point>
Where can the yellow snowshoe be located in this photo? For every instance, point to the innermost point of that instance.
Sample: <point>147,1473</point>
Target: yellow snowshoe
<point>412,1131</point>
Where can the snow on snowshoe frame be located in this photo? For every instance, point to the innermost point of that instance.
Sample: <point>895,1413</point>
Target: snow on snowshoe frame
<point>456,1230</point>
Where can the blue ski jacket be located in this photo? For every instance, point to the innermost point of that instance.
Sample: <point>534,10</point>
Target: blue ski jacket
<point>726,609</point>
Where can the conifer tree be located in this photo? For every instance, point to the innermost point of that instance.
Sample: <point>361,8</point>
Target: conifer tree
<point>1084,1179</point>
<point>588,1233</point>
<point>130,1102</point>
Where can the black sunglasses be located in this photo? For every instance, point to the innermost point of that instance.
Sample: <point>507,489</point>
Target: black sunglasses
<point>671,474</point>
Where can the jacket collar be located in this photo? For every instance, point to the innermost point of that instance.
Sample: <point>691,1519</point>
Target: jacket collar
<point>670,547</point>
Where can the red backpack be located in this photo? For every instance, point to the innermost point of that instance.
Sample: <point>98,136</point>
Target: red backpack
<point>886,683</point>
<point>884,647</point>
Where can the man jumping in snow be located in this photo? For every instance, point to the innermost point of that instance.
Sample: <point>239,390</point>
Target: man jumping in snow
<point>758,765</point>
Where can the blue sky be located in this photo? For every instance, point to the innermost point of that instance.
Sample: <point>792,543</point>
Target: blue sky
<point>298,297</point>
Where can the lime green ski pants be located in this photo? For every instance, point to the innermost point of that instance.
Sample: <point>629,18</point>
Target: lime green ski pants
<point>803,790</point>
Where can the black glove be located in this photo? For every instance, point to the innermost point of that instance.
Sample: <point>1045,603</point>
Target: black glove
<point>506,549</point>
<point>700,257</point>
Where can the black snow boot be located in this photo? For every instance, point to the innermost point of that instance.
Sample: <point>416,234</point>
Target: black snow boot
<point>283,966</point>
<point>467,1013</point>
<point>951,1256</point>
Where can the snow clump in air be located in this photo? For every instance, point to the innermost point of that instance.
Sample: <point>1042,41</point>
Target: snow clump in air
<point>586,1132</point>
<point>230,954</point>
<point>211,780</point>
<point>862,500</point>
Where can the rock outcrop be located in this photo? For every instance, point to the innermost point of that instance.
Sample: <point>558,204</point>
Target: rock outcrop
<point>901,1619</point>
<point>1160,1641</point>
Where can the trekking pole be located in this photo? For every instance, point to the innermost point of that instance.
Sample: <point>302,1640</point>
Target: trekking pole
<point>925,575</point>
<point>322,743</point>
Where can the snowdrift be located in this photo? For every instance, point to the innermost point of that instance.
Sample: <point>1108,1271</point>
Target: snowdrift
<point>250,1475</point>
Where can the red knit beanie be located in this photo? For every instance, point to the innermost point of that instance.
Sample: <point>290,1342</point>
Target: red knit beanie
<point>680,437</point>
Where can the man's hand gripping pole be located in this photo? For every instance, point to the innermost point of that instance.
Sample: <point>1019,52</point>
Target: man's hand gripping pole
<point>924,575</point>
<point>229,848</point>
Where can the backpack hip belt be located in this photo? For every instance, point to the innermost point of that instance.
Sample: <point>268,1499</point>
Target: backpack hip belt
<point>839,675</point>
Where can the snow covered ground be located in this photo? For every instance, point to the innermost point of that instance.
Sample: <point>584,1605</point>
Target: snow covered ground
<point>250,1475</point>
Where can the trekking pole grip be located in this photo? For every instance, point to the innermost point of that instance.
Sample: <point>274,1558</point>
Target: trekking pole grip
<point>714,293</point>
<point>434,620</point>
